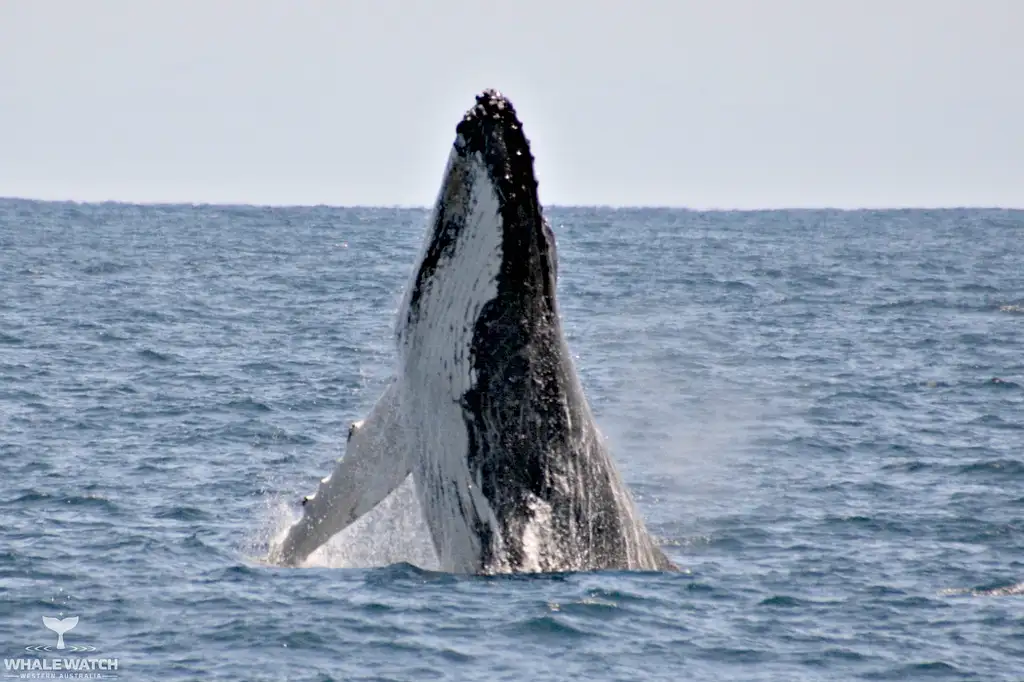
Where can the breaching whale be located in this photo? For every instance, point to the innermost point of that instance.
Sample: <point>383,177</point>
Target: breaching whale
<point>485,410</point>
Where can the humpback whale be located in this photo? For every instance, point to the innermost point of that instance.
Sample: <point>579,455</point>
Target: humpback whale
<point>485,410</point>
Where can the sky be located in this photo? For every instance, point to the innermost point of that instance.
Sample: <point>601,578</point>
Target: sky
<point>727,104</point>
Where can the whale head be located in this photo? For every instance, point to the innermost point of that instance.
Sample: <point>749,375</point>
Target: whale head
<point>488,238</point>
<point>482,356</point>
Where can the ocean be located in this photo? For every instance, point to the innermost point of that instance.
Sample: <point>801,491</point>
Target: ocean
<point>820,414</point>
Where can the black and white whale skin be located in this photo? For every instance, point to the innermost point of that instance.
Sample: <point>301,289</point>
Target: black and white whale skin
<point>485,410</point>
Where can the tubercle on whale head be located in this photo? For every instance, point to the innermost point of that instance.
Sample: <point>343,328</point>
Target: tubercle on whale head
<point>492,129</point>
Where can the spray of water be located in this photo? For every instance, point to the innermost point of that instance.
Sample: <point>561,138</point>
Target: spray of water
<point>683,463</point>
<point>687,451</point>
<point>393,532</point>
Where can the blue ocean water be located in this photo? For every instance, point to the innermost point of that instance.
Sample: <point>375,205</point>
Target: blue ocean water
<point>820,413</point>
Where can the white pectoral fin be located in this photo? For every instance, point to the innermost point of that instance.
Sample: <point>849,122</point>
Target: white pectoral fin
<point>375,463</point>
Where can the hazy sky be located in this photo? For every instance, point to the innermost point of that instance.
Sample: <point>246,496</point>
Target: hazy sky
<point>704,104</point>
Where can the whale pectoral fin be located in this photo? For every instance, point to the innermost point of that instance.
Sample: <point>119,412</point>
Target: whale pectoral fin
<point>375,463</point>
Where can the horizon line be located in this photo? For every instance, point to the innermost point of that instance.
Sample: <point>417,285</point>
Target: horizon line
<point>613,207</point>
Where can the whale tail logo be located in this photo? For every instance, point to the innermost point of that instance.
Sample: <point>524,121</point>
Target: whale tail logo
<point>60,626</point>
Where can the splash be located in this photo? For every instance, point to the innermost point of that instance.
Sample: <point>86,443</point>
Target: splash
<point>392,532</point>
<point>1015,590</point>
